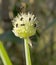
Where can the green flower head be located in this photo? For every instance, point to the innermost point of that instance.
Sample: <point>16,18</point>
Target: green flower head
<point>24,25</point>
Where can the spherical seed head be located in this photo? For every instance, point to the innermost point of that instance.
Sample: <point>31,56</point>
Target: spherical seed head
<point>24,25</point>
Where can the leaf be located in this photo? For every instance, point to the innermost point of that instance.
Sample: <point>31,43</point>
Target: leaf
<point>4,56</point>
<point>9,36</point>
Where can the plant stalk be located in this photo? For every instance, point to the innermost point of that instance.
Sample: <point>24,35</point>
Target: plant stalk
<point>4,56</point>
<point>27,52</point>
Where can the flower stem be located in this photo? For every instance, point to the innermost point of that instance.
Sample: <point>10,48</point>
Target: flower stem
<point>4,56</point>
<point>27,52</point>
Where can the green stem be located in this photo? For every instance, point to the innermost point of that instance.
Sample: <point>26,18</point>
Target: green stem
<point>4,56</point>
<point>27,52</point>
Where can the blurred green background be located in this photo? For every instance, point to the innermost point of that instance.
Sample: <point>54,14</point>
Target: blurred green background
<point>44,42</point>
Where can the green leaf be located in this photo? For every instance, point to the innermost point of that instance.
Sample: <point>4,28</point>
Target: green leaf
<point>4,56</point>
<point>9,36</point>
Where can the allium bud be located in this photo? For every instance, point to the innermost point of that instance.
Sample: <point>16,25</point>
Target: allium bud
<point>24,25</point>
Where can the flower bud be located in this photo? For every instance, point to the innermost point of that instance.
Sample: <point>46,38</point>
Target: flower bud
<point>24,25</point>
